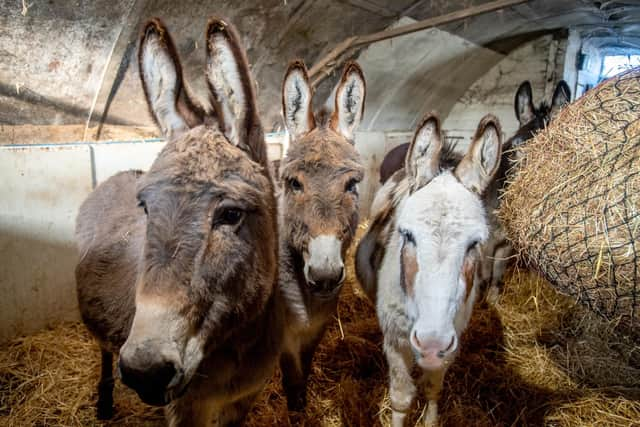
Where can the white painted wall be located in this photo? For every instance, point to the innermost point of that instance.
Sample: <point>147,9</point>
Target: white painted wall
<point>42,188</point>
<point>111,158</point>
<point>540,61</point>
<point>417,73</point>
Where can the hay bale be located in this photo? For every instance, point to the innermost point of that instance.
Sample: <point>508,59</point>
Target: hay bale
<point>573,206</point>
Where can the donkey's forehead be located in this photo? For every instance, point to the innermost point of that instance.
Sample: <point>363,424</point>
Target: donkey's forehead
<point>322,148</point>
<point>444,206</point>
<point>204,157</point>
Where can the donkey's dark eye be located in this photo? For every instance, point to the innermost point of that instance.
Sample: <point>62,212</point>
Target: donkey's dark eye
<point>407,236</point>
<point>143,205</point>
<point>352,186</point>
<point>473,245</point>
<point>229,216</point>
<point>294,184</point>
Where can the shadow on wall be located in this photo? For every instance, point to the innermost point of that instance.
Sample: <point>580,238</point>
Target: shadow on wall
<point>37,283</point>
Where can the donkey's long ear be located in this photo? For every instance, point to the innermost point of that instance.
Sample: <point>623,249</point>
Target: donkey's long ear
<point>561,97</point>
<point>296,100</point>
<point>476,170</point>
<point>524,103</point>
<point>232,91</point>
<point>161,76</point>
<point>422,163</point>
<point>350,96</point>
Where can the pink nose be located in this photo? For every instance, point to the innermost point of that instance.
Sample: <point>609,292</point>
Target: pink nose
<point>433,348</point>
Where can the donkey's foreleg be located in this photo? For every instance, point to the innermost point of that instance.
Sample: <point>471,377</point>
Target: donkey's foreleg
<point>191,411</point>
<point>296,367</point>
<point>293,381</point>
<point>235,414</point>
<point>401,387</point>
<point>105,387</point>
<point>432,383</point>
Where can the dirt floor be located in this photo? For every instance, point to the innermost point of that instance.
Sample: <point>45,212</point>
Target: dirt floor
<point>533,359</point>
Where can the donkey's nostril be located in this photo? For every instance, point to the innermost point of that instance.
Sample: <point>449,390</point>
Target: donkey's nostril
<point>435,347</point>
<point>415,340</point>
<point>151,380</point>
<point>309,274</point>
<point>451,344</point>
<point>450,348</point>
<point>325,279</point>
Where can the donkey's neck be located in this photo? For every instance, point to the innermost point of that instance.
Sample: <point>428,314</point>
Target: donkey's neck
<point>247,355</point>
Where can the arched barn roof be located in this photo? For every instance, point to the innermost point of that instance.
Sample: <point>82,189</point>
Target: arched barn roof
<point>74,62</point>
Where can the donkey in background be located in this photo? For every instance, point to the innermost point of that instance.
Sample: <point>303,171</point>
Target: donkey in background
<point>420,258</point>
<point>318,214</point>
<point>178,267</point>
<point>531,121</point>
<point>497,252</point>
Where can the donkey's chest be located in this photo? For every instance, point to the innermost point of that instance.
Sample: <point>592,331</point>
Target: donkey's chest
<point>243,365</point>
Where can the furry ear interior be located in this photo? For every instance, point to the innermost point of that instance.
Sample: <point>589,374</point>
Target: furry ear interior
<point>232,90</point>
<point>478,167</point>
<point>296,100</point>
<point>422,163</point>
<point>349,101</point>
<point>161,76</point>
<point>524,103</point>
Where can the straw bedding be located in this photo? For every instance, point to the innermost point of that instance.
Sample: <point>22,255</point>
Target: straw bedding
<point>536,358</point>
<point>573,206</point>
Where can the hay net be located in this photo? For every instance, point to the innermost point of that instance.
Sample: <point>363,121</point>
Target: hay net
<point>572,208</point>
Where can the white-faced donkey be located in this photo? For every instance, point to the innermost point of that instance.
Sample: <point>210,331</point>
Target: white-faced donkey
<point>178,266</point>
<point>318,214</point>
<point>420,258</point>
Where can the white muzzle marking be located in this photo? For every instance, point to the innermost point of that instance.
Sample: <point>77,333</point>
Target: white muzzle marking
<point>325,257</point>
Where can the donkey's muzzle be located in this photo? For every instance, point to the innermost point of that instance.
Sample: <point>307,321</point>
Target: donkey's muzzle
<point>324,269</point>
<point>154,381</point>
<point>325,282</point>
<point>432,353</point>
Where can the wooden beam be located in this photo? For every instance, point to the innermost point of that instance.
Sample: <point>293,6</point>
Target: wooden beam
<point>335,52</point>
<point>357,41</point>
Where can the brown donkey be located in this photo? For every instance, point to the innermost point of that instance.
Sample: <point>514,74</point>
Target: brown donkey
<point>178,267</point>
<point>318,214</point>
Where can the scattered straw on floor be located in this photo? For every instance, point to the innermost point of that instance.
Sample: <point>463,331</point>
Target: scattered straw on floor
<point>534,359</point>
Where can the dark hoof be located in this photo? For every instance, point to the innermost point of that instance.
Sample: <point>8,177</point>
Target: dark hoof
<point>297,403</point>
<point>105,411</point>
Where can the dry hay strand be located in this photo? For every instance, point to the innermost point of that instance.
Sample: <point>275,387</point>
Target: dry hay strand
<point>50,378</point>
<point>573,206</point>
<point>535,358</point>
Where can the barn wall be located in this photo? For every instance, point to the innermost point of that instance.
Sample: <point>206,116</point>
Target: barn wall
<point>414,74</point>
<point>540,61</point>
<point>462,100</point>
<point>408,77</point>
<point>42,189</point>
